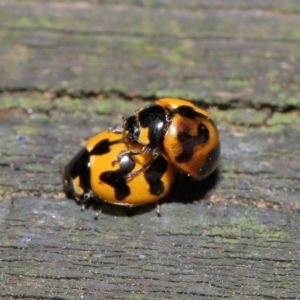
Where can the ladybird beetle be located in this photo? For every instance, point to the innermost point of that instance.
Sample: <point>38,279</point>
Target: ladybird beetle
<point>177,127</point>
<point>94,173</point>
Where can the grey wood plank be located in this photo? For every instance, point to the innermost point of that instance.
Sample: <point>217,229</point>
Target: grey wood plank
<point>70,69</point>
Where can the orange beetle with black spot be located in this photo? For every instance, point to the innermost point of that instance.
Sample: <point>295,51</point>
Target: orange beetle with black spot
<point>178,128</point>
<point>95,173</point>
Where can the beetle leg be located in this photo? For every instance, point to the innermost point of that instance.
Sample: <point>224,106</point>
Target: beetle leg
<point>118,128</point>
<point>155,153</point>
<point>143,167</point>
<point>99,211</point>
<point>130,152</point>
<point>124,153</point>
<point>157,208</point>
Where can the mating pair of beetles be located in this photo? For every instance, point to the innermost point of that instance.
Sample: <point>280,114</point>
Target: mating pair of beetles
<point>135,163</point>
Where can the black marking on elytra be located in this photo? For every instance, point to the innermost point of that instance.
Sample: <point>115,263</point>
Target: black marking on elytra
<point>210,162</point>
<point>103,147</point>
<point>117,179</point>
<point>188,142</point>
<point>154,173</point>
<point>78,166</point>
<point>191,113</point>
<point>154,117</point>
<point>188,112</point>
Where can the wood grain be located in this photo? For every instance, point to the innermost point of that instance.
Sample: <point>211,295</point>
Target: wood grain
<point>69,69</point>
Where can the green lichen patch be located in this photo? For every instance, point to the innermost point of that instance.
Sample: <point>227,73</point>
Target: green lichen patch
<point>113,106</point>
<point>26,130</point>
<point>69,104</point>
<point>29,101</point>
<point>243,116</point>
<point>96,106</point>
<point>279,118</point>
<point>242,226</point>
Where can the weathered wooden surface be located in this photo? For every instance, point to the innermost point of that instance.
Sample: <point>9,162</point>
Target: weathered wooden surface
<point>71,68</point>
